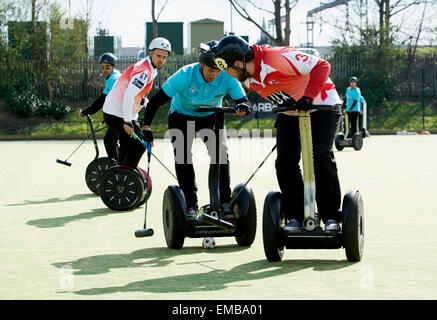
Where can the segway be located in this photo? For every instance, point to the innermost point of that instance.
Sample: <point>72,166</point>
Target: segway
<point>210,222</point>
<point>342,140</point>
<point>98,166</point>
<point>123,188</point>
<point>312,235</point>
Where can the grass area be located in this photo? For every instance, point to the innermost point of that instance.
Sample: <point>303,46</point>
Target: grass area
<point>403,116</point>
<point>390,116</point>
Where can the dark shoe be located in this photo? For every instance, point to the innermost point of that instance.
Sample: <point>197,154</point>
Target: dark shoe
<point>228,214</point>
<point>332,225</point>
<point>293,225</point>
<point>192,214</point>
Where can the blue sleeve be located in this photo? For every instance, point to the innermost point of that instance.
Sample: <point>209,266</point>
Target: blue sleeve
<point>235,89</point>
<point>175,83</point>
<point>109,83</point>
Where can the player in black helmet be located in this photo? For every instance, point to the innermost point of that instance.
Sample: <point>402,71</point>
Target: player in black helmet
<point>107,63</point>
<point>198,84</point>
<point>292,78</point>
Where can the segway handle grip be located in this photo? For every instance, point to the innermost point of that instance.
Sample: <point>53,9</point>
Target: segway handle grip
<point>313,107</point>
<point>215,109</point>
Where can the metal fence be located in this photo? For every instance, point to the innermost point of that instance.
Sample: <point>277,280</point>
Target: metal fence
<point>79,82</point>
<point>80,79</point>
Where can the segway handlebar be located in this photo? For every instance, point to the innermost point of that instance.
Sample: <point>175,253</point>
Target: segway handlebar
<point>215,109</point>
<point>313,107</point>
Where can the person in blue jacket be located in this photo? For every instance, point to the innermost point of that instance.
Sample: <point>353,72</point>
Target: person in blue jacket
<point>107,63</point>
<point>198,84</point>
<point>354,103</point>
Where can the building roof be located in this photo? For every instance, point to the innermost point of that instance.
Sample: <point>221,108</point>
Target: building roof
<point>207,20</point>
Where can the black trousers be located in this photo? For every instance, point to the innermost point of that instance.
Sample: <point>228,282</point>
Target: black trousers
<point>131,150</point>
<point>353,119</point>
<point>182,130</point>
<point>324,128</point>
<point>111,146</point>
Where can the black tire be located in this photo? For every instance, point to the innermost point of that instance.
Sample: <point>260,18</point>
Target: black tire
<point>121,188</point>
<point>173,219</point>
<point>95,170</point>
<point>338,139</point>
<point>143,199</point>
<point>246,223</point>
<point>353,225</point>
<point>272,224</point>
<point>364,133</point>
<point>357,141</point>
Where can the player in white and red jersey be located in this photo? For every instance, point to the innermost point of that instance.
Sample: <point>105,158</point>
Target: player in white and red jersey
<point>288,77</point>
<point>124,101</point>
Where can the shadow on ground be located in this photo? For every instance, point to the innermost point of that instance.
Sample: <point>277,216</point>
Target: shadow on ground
<point>215,279</point>
<point>76,197</point>
<point>150,257</point>
<point>219,279</point>
<point>62,221</point>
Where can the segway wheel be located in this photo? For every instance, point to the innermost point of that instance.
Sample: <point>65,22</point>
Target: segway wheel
<point>338,139</point>
<point>121,188</point>
<point>272,224</point>
<point>144,175</point>
<point>353,225</point>
<point>357,141</point>
<point>95,170</point>
<point>245,210</point>
<point>364,133</point>
<point>174,220</point>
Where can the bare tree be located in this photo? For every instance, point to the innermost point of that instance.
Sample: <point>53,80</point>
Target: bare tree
<point>280,6</point>
<point>155,17</point>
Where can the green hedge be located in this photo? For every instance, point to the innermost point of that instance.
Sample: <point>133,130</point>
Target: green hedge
<point>26,104</point>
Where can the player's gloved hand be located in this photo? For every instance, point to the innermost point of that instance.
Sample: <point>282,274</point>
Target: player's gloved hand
<point>128,128</point>
<point>243,108</point>
<point>80,114</point>
<point>148,135</point>
<point>304,104</point>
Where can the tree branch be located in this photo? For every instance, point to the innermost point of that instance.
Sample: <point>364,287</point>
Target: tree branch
<point>259,8</point>
<point>162,8</point>
<point>246,16</point>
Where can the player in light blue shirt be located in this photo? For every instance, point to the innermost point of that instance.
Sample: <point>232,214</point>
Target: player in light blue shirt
<point>107,65</point>
<point>354,103</point>
<point>200,84</point>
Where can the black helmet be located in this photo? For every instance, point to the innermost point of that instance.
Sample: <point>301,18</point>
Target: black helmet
<point>206,55</point>
<point>108,57</point>
<point>230,49</point>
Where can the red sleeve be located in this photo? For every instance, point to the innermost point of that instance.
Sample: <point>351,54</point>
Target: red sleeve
<point>318,76</point>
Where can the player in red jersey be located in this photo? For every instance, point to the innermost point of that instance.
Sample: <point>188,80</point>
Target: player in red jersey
<point>288,77</point>
<point>124,101</point>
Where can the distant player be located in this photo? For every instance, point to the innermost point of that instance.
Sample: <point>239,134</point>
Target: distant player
<point>354,104</point>
<point>107,63</point>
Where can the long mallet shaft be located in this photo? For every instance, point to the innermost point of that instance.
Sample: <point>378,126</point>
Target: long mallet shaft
<point>145,232</point>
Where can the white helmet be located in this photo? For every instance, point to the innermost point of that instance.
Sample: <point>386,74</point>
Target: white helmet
<point>160,43</point>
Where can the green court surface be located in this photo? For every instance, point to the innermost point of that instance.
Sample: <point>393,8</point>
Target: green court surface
<point>58,241</point>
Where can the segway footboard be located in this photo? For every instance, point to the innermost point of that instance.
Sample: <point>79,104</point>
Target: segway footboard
<point>316,239</point>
